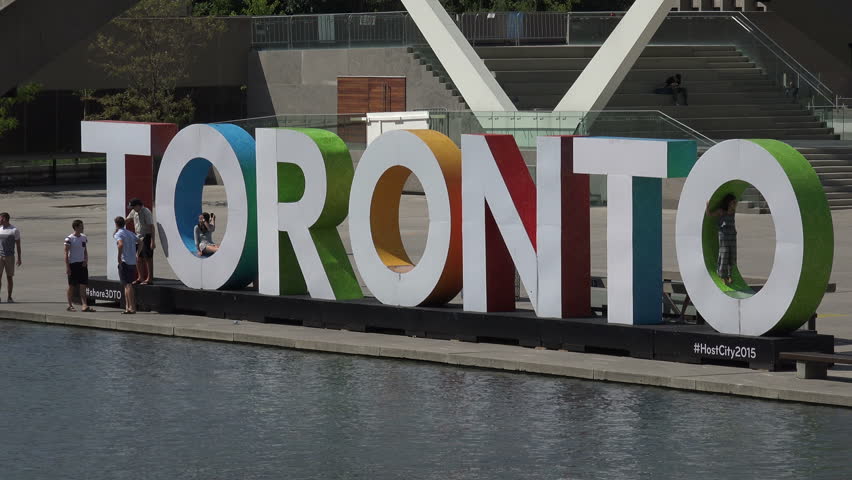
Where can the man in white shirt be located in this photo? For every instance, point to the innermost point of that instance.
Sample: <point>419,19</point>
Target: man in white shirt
<point>77,266</point>
<point>126,242</point>
<point>10,238</point>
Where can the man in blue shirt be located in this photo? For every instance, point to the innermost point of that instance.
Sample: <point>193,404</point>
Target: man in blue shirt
<point>126,242</point>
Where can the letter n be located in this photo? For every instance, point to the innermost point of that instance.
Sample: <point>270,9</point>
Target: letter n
<point>503,229</point>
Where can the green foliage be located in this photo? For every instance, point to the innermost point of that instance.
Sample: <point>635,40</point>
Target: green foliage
<point>26,93</point>
<point>151,55</point>
<point>260,7</point>
<point>135,105</point>
<point>224,8</point>
<point>215,8</point>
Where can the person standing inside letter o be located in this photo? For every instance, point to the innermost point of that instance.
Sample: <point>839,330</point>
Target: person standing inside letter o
<point>727,237</point>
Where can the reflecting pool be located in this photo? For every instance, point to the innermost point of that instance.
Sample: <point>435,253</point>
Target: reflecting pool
<point>89,404</point>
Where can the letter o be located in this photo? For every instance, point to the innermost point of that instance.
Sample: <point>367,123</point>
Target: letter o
<point>180,182</point>
<point>374,218</point>
<point>804,237</point>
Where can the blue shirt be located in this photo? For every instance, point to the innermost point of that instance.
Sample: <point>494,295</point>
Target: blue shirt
<point>128,252</point>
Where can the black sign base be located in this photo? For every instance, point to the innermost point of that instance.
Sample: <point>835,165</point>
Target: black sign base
<point>670,342</point>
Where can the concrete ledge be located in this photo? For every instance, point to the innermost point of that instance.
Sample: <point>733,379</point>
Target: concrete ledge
<point>700,378</point>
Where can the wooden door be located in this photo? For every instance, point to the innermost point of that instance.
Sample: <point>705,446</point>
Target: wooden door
<point>361,95</point>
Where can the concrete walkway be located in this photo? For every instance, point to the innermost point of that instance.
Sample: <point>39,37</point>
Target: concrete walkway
<point>44,217</point>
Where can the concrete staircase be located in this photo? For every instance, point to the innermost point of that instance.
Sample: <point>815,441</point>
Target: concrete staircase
<point>833,165</point>
<point>729,97</point>
<point>430,62</point>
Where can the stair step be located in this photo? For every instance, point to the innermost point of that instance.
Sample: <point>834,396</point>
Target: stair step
<point>571,51</point>
<point>823,169</point>
<point>838,195</point>
<point>655,63</point>
<point>644,86</point>
<point>835,177</point>
<point>657,75</point>
<point>844,189</point>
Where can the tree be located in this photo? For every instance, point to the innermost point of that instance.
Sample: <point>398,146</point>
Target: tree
<point>260,7</point>
<point>151,52</point>
<point>25,93</point>
<point>224,8</point>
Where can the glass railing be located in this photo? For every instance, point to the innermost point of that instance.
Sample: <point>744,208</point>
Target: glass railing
<point>837,118</point>
<point>351,127</point>
<point>525,127</point>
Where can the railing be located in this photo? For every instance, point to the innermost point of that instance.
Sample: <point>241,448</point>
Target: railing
<point>837,118</point>
<point>787,71</point>
<point>524,126</point>
<point>335,31</point>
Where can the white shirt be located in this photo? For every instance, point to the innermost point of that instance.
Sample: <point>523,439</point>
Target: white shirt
<point>77,252</point>
<point>9,236</point>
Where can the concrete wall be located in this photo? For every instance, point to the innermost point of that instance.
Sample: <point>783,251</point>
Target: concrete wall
<point>305,81</point>
<point>33,32</point>
<point>224,62</point>
<point>816,34</point>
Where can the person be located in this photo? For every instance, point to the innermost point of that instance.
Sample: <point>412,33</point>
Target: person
<point>727,237</point>
<point>10,240</point>
<point>77,266</point>
<point>143,223</point>
<point>674,87</point>
<point>126,243</point>
<point>203,234</point>
<point>792,90</point>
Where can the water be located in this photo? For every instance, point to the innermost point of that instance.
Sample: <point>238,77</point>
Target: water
<point>89,404</point>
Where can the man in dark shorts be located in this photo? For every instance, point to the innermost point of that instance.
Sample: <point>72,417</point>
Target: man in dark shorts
<point>143,223</point>
<point>77,266</point>
<point>126,242</point>
<point>10,238</point>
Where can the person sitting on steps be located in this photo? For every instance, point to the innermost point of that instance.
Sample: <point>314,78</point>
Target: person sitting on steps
<point>674,87</point>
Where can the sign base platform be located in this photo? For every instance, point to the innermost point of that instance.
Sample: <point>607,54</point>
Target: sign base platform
<point>669,342</point>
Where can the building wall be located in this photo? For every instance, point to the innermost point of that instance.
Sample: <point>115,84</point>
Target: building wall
<point>305,81</point>
<point>34,32</point>
<point>222,63</point>
<point>817,34</point>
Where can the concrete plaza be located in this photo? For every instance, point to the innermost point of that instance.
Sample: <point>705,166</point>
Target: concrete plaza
<point>44,216</point>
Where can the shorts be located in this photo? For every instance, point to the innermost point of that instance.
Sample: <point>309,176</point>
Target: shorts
<point>79,274</point>
<point>7,264</point>
<point>146,250</point>
<point>126,273</point>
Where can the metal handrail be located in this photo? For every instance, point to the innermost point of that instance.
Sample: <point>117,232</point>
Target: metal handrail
<point>754,26</point>
<point>828,95</point>
<point>682,126</point>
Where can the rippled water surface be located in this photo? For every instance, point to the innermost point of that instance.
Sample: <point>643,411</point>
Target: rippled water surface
<point>88,404</point>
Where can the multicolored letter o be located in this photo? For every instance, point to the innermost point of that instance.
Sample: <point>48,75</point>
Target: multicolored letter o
<point>303,182</point>
<point>180,182</point>
<point>385,266</point>
<point>804,237</point>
